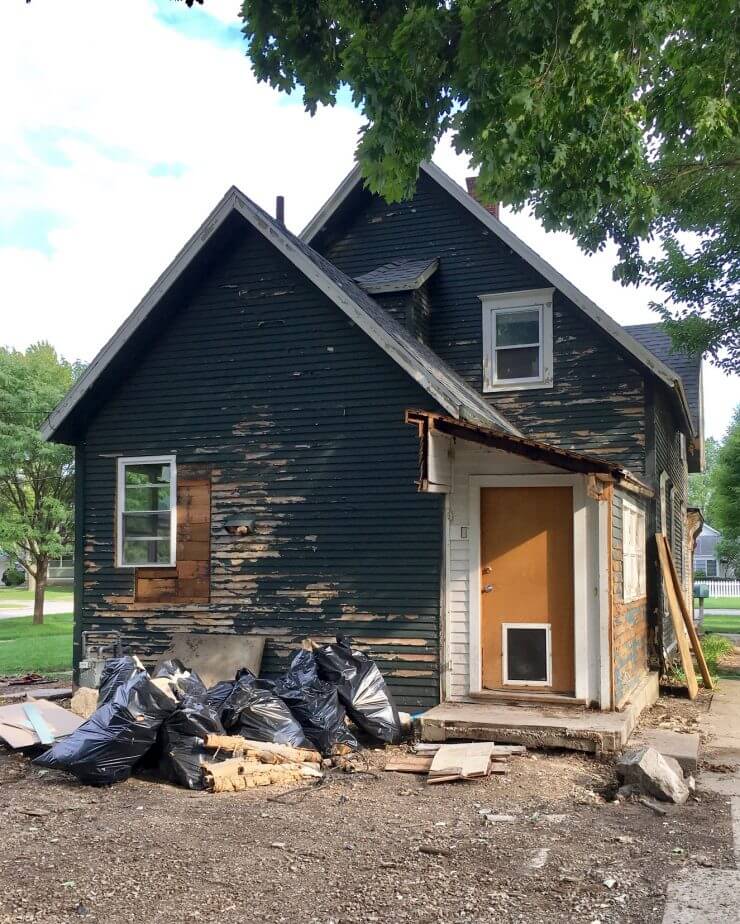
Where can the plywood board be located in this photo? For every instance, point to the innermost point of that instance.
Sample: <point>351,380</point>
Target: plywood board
<point>461,761</point>
<point>674,608</point>
<point>16,729</point>
<point>409,764</point>
<point>688,621</point>
<point>216,657</point>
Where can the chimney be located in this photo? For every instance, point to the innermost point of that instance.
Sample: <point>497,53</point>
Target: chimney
<point>280,209</point>
<point>471,183</point>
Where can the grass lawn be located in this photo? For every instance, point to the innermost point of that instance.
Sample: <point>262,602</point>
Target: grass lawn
<point>10,596</point>
<point>25,648</point>
<point>722,623</point>
<point>722,603</point>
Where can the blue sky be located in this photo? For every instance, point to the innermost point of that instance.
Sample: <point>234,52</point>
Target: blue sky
<point>124,124</point>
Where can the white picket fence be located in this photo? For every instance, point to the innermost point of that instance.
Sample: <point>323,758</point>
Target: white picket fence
<point>723,588</point>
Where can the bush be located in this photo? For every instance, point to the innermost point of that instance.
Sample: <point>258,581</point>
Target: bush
<point>13,577</point>
<point>700,575</point>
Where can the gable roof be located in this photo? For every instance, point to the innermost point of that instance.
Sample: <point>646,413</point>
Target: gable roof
<point>643,355</point>
<point>439,380</point>
<point>655,338</point>
<point>397,276</point>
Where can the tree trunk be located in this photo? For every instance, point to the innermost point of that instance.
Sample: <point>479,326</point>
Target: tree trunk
<point>42,568</point>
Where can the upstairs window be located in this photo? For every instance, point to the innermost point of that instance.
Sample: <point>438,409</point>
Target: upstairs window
<point>147,512</point>
<point>633,551</point>
<point>517,340</point>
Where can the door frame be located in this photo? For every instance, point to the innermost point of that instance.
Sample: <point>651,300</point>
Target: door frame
<point>580,552</point>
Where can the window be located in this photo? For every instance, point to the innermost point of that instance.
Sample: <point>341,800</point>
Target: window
<point>633,551</point>
<point>711,569</point>
<point>682,446</point>
<point>147,512</point>
<point>527,654</point>
<point>517,340</point>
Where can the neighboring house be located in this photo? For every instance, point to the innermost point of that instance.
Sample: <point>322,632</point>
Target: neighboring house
<point>404,426</point>
<point>4,564</point>
<point>706,559</point>
<point>61,570</point>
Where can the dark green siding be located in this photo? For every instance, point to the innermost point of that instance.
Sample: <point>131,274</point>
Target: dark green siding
<point>300,418</point>
<point>597,402</point>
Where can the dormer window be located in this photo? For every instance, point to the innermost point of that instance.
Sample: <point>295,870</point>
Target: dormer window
<point>517,340</point>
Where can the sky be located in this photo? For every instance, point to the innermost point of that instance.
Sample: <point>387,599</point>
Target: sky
<point>122,125</point>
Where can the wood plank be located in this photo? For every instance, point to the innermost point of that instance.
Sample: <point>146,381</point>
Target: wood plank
<point>688,621</point>
<point>409,764</point>
<point>674,608</point>
<point>461,761</point>
<point>17,732</point>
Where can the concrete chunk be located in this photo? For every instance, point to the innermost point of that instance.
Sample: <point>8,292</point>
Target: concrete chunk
<point>653,774</point>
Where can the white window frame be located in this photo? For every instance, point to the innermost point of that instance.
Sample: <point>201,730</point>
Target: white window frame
<point>682,445</point>
<point>524,300</point>
<point>638,555</point>
<point>663,502</point>
<point>505,651</point>
<point>123,461</point>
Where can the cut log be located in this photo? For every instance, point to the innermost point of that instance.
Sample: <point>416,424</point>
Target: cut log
<point>263,751</point>
<point>235,775</point>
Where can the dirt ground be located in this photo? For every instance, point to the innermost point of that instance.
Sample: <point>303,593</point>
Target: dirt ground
<point>352,850</point>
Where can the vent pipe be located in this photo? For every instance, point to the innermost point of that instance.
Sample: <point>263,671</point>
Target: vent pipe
<point>280,209</point>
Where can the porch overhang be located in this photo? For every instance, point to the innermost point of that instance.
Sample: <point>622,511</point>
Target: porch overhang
<point>429,423</point>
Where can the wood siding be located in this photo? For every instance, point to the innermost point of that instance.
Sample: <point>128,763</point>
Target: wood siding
<point>299,418</point>
<point>597,402</point>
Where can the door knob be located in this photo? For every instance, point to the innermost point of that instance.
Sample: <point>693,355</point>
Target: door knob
<point>487,589</point>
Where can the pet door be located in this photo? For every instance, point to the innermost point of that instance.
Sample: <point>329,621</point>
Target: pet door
<point>527,654</point>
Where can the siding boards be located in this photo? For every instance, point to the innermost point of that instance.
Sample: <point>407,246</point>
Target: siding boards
<point>597,402</point>
<point>299,418</point>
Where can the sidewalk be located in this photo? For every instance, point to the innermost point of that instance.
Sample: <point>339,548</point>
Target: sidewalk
<point>710,896</point>
<point>17,608</point>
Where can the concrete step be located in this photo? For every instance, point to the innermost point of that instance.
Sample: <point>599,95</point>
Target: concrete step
<point>683,746</point>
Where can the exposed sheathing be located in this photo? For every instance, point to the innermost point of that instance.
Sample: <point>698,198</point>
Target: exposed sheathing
<point>597,402</point>
<point>300,417</point>
<point>630,629</point>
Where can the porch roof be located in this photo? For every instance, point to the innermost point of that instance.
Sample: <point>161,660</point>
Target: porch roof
<point>566,459</point>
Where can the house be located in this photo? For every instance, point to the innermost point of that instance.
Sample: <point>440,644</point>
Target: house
<point>404,426</point>
<point>706,559</point>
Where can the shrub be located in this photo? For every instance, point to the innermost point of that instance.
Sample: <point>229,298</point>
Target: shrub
<point>13,577</point>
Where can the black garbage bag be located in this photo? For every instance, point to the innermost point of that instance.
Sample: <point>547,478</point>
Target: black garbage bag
<point>116,671</point>
<point>315,703</point>
<point>258,713</point>
<point>361,689</point>
<point>105,749</point>
<point>221,691</point>
<point>187,681</point>
<point>180,742</point>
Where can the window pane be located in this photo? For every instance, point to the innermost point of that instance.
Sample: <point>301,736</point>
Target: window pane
<point>148,498</point>
<point>513,327</point>
<point>147,473</point>
<point>146,552</point>
<point>711,568</point>
<point>522,363</point>
<point>146,525</point>
<point>526,654</point>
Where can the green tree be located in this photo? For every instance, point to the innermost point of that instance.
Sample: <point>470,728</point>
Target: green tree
<point>700,484</point>
<point>36,477</point>
<point>613,121</point>
<point>724,504</point>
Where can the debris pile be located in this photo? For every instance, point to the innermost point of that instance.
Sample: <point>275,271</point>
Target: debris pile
<point>234,735</point>
<point>443,763</point>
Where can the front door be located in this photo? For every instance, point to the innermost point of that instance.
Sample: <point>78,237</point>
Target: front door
<point>526,588</point>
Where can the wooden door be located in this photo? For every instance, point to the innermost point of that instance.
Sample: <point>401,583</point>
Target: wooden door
<point>526,589</point>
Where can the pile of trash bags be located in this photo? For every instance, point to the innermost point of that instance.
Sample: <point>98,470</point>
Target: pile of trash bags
<point>161,722</point>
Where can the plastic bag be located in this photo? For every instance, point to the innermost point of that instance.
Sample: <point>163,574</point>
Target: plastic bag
<point>180,742</point>
<point>116,671</point>
<point>316,705</point>
<point>186,681</point>
<point>105,749</point>
<point>257,713</point>
<point>221,691</point>
<point>361,689</point>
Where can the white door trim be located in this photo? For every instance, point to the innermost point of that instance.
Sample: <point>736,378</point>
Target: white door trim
<point>580,601</point>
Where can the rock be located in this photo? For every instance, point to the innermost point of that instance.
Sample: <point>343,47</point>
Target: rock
<point>497,819</point>
<point>84,702</point>
<point>653,774</point>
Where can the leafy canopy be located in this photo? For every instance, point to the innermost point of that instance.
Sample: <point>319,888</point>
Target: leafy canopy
<point>723,510</point>
<point>36,477</point>
<point>612,120</point>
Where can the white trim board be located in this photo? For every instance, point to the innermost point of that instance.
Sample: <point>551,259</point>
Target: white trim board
<point>121,464</point>
<point>505,234</point>
<point>452,393</point>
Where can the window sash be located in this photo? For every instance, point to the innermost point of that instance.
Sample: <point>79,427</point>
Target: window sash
<point>495,347</point>
<point>634,571</point>
<point>122,537</point>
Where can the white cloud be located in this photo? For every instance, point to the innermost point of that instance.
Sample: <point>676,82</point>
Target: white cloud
<point>102,93</point>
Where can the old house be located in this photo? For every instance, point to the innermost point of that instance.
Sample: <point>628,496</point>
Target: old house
<point>404,426</point>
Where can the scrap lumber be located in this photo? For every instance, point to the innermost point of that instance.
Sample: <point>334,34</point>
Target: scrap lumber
<point>465,762</point>
<point>262,751</point>
<point>410,764</point>
<point>38,723</point>
<point>674,608</point>
<point>17,731</point>
<point>236,774</point>
<point>688,621</point>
